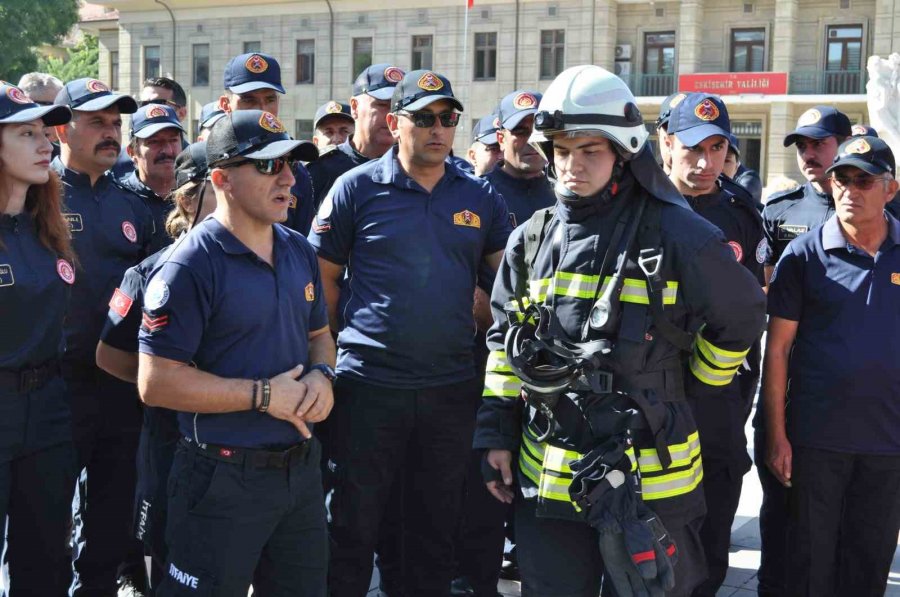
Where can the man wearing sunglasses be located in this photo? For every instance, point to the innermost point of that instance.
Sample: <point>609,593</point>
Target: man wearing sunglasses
<point>253,82</point>
<point>833,330</point>
<point>235,337</point>
<point>412,230</point>
<point>371,137</point>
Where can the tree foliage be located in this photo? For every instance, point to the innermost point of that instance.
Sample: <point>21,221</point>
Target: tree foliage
<point>27,24</point>
<point>82,61</point>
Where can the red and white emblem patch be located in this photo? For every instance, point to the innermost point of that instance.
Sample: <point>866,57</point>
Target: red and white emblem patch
<point>333,108</point>
<point>65,271</point>
<point>96,86</point>
<point>525,101</point>
<point>310,292</point>
<point>256,64</point>
<point>393,74</point>
<point>129,231</point>
<point>120,303</point>
<point>430,82</point>
<point>858,130</point>
<point>17,95</point>
<point>271,123</point>
<point>157,112</point>
<point>706,110</point>
<point>738,250</point>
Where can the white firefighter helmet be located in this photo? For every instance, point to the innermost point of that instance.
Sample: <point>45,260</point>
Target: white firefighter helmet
<point>591,99</point>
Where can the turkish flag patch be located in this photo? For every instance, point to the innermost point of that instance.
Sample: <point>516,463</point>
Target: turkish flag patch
<point>151,324</point>
<point>121,303</point>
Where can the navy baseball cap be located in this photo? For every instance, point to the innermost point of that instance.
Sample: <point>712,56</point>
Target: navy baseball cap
<point>863,130</point>
<point>16,107</point>
<point>516,106</point>
<point>697,117</point>
<point>819,122</point>
<point>249,72</point>
<point>734,145</point>
<point>209,114</point>
<point>485,130</point>
<point>91,95</point>
<point>190,165</point>
<point>869,154</point>
<point>420,88</point>
<point>378,81</point>
<point>332,108</point>
<point>254,134</point>
<point>152,118</point>
<point>665,110</point>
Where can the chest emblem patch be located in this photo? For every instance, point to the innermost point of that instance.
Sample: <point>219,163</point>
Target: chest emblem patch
<point>895,279</point>
<point>129,231</point>
<point>310,292</point>
<point>76,224</point>
<point>6,275</point>
<point>65,271</point>
<point>467,218</point>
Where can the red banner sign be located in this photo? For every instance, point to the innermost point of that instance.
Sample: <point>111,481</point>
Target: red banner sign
<point>734,83</point>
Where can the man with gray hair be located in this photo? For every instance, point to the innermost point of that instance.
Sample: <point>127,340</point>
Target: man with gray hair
<point>42,88</point>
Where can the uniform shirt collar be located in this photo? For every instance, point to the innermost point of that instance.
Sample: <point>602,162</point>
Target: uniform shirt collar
<point>134,183</point>
<point>347,148</point>
<point>833,238</point>
<point>75,178</point>
<point>812,192</point>
<point>232,244</point>
<point>388,171</point>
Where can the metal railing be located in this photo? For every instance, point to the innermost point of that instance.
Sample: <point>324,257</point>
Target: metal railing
<point>650,85</point>
<point>828,82</point>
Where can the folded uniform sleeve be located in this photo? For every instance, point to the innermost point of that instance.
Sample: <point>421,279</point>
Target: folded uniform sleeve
<point>498,425</point>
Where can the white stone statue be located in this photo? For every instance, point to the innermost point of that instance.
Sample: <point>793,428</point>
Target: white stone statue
<point>883,98</point>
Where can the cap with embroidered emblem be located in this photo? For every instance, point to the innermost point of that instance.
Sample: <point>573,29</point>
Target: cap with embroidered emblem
<point>699,116</point>
<point>819,122</point>
<point>335,109</point>
<point>378,81</point>
<point>16,107</point>
<point>152,118</point>
<point>420,88</point>
<point>91,95</point>
<point>516,106</point>
<point>870,154</point>
<point>254,134</point>
<point>249,72</point>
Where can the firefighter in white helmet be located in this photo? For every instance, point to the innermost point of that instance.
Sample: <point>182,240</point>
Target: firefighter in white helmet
<point>609,307</point>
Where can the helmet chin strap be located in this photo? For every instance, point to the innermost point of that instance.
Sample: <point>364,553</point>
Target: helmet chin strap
<point>568,196</point>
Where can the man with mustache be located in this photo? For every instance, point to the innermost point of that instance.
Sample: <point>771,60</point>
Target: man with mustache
<point>697,139</point>
<point>111,231</point>
<point>156,139</point>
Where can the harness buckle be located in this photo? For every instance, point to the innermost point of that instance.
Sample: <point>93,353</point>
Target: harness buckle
<point>650,262</point>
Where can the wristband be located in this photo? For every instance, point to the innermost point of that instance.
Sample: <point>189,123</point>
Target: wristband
<point>253,400</point>
<point>266,395</point>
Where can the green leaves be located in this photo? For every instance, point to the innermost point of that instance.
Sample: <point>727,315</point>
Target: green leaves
<point>26,25</point>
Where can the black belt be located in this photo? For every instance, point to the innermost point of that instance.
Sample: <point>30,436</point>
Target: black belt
<point>30,379</point>
<point>255,458</point>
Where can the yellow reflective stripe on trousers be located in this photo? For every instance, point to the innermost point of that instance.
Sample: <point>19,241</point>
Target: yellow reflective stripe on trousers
<point>673,484</point>
<point>681,454</point>
<point>584,286</point>
<point>709,375</point>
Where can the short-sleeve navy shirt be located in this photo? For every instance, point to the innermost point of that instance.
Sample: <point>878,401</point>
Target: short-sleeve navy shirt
<point>413,259</point>
<point>844,391</point>
<point>214,303</point>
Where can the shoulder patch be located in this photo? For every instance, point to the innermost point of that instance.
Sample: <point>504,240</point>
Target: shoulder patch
<point>121,303</point>
<point>157,294</point>
<point>795,193</point>
<point>738,250</point>
<point>762,251</point>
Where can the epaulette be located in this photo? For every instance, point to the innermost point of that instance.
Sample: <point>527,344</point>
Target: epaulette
<point>328,150</point>
<point>788,195</point>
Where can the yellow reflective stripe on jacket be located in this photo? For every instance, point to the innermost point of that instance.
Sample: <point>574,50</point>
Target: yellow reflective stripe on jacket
<point>530,466</point>
<point>681,454</point>
<point>710,376</point>
<point>634,290</point>
<point>556,475</point>
<point>497,362</point>
<point>499,380</point>
<point>673,484</point>
<point>715,366</point>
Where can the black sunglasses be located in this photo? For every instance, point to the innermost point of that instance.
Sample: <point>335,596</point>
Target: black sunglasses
<point>426,120</point>
<point>270,167</point>
<point>161,102</point>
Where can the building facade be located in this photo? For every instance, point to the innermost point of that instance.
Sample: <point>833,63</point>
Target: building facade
<point>770,59</point>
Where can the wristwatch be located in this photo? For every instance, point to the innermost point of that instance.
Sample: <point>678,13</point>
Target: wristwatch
<point>325,370</point>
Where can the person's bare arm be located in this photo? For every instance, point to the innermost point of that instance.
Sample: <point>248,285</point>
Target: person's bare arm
<point>118,363</point>
<point>178,386</point>
<point>331,274</point>
<point>481,310</point>
<point>779,341</point>
<point>767,272</point>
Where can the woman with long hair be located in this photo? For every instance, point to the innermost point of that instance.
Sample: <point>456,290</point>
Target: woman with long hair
<point>117,354</point>
<point>37,270</point>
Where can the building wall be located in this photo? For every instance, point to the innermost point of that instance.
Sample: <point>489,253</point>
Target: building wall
<point>795,43</point>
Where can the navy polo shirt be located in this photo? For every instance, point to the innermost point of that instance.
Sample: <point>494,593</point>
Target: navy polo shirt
<point>302,206</point>
<point>111,230</point>
<point>157,205</point>
<point>844,392</point>
<point>412,258</point>
<point>214,303</point>
<point>331,164</point>
<point>523,196</point>
<point>35,286</point>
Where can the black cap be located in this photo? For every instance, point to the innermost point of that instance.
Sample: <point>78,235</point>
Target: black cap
<point>665,110</point>
<point>91,95</point>
<point>819,122</point>
<point>249,72</point>
<point>863,130</point>
<point>420,88</point>
<point>332,109</point>
<point>254,134</point>
<point>378,81</point>
<point>869,154</point>
<point>190,165</point>
<point>734,145</point>
<point>16,107</point>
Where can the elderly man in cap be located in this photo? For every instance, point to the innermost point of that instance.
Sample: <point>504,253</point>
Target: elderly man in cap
<point>332,125</point>
<point>42,88</point>
<point>412,230</point>
<point>371,138</point>
<point>156,140</point>
<point>253,82</point>
<point>246,505</point>
<point>111,231</point>
<point>831,347</point>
